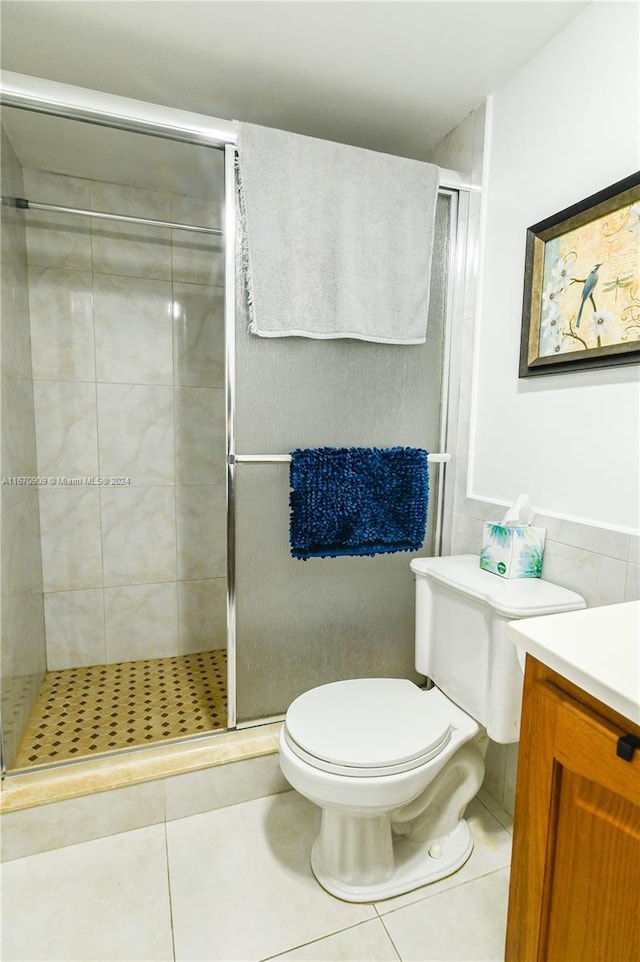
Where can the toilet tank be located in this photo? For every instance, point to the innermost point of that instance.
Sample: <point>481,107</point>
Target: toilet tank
<point>462,614</point>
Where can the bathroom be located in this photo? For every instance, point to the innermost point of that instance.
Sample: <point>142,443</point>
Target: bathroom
<point>575,436</point>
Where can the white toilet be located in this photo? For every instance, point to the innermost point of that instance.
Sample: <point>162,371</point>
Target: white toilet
<point>392,766</point>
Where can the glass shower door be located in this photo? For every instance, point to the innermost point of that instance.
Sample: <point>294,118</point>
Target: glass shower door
<point>305,623</point>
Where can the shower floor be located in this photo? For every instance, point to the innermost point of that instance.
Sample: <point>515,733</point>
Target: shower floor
<point>82,712</point>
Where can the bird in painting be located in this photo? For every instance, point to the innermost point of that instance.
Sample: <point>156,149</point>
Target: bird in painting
<point>587,290</point>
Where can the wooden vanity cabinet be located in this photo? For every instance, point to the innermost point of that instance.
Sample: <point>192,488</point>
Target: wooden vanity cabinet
<point>575,874</point>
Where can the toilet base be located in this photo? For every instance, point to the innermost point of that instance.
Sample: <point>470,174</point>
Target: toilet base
<point>412,866</point>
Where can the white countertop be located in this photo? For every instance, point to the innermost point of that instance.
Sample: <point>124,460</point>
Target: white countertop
<point>597,649</point>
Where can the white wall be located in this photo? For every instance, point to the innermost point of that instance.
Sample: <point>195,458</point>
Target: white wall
<point>561,129</point>
<point>541,159</point>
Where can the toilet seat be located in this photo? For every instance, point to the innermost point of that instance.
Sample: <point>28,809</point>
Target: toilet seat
<point>368,727</point>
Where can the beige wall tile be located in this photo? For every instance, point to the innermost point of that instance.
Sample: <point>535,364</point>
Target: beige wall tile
<point>599,579</point>
<point>224,785</point>
<point>198,331</point>
<point>130,249</point>
<point>141,621</point>
<point>136,432</point>
<point>71,544</point>
<point>18,439</point>
<point>632,589</point>
<point>75,628</point>
<point>15,338</point>
<point>61,307</point>
<point>138,535</point>
<point>58,240</point>
<point>202,614</point>
<point>66,429</point>
<point>47,827</point>
<point>202,531</point>
<point>133,330</point>
<point>200,436</point>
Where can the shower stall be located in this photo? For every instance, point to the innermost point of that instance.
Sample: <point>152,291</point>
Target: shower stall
<point>148,593</point>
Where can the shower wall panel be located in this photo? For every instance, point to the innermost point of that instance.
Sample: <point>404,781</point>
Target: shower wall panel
<point>128,361</point>
<point>21,613</point>
<point>301,624</point>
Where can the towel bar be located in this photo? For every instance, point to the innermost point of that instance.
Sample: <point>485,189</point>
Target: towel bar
<point>275,458</point>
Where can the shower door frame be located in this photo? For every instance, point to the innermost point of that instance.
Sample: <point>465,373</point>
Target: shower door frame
<point>69,102</point>
<point>456,186</point>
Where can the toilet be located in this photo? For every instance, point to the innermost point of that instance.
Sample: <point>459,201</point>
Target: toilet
<point>393,766</point>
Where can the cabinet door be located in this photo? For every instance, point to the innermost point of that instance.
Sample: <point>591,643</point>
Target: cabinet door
<point>594,876</point>
<point>576,864</point>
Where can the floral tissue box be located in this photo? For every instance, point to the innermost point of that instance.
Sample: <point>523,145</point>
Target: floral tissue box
<point>512,551</point>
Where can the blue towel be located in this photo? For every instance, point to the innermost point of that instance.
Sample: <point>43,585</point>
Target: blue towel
<point>357,501</point>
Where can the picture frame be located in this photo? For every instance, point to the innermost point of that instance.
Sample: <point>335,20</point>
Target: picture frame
<point>581,303</point>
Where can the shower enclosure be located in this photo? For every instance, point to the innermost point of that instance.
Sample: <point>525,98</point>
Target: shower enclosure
<point>148,594</point>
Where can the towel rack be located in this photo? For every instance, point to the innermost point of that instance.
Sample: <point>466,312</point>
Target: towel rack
<point>275,458</point>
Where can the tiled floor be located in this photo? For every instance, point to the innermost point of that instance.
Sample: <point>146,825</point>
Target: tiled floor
<point>104,708</point>
<point>234,885</point>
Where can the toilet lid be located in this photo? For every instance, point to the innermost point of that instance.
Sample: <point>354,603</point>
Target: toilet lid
<point>368,725</point>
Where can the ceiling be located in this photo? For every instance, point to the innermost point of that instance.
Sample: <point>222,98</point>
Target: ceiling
<point>389,76</point>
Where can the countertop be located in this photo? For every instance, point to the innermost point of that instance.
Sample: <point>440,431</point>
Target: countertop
<point>597,649</point>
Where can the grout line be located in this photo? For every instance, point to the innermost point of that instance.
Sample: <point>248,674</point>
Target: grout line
<point>390,937</point>
<point>168,865</point>
<point>329,935</point>
<point>496,810</point>
<point>427,896</point>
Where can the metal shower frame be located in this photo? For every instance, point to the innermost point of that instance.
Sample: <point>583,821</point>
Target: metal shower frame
<point>95,107</point>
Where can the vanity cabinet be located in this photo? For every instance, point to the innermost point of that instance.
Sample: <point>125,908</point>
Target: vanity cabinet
<point>575,875</point>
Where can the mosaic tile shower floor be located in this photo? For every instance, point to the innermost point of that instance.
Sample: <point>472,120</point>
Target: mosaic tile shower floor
<point>82,712</point>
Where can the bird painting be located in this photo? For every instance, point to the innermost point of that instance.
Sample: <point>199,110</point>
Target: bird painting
<point>587,291</point>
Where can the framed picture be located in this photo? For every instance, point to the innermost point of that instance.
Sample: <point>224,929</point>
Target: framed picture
<point>581,305</point>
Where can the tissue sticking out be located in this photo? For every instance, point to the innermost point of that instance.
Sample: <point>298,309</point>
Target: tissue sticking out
<point>520,511</point>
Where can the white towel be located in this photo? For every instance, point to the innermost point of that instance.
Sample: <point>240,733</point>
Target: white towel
<point>336,240</point>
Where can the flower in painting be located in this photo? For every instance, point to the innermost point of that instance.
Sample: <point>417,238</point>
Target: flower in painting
<point>551,328</point>
<point>599,327</point>
<point>634,220</point>
<point>562,272</point>
<point>551,295</point>
<point>551,315</point>
<point>553,336</point>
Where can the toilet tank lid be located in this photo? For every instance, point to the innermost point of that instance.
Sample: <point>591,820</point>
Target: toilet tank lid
<point>513,598</point>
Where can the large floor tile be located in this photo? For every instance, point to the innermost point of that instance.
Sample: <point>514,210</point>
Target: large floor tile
<point>491,851</point>
<point>241,884</point>
<point>369,941</point>
<point>102,900</point>
<point>464,924</point>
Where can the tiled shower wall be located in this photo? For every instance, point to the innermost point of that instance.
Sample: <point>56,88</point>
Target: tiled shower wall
<point>22,620</point>
<point>128,365</point>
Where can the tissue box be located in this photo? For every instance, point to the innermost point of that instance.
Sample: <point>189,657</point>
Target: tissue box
<point>512,551</point>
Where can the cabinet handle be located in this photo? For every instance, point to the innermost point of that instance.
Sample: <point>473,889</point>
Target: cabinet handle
<point>626,746</point>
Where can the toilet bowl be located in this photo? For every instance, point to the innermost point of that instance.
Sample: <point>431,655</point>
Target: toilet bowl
<point>390,796</point>
<point>394,766</point>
